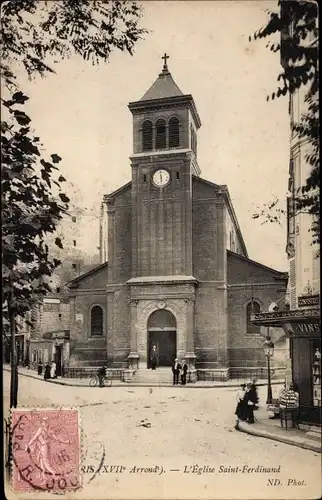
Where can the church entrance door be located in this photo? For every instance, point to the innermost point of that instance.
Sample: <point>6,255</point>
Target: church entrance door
<point>165,343</point>
<point>162,334</point>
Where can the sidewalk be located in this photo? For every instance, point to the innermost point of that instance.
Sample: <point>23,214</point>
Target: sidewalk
<point>84,382</point>
<point>270,428</point>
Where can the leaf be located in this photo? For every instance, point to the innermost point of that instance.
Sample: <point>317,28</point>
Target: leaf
<point>61,178</point>
<point>56,158</point>
<point>64,198</point>
<point>21,117</point>
<point>19,98</point>
<point>58,242</point>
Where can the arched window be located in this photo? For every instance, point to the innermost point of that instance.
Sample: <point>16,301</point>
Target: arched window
<point>252,308</point>
<point>96,321</point>
<point>174,138</point>
<point>161,136</point>
<point>147,144</point>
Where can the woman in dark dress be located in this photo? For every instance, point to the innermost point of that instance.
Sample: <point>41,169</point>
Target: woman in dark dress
<point>250,403</point>
<point>47,371</point>
<point>254,395</point>
<point>240,408</point>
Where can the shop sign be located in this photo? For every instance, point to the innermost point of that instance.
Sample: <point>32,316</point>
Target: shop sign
<point>51,300</point>
<point>307,328</point>
<point>303,328</point>
<point>308,300</point>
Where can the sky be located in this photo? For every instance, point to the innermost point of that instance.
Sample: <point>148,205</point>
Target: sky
<point>81,111</point>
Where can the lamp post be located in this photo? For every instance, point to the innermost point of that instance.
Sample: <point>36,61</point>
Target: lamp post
<point>27,360</point>
<point>269,351</point>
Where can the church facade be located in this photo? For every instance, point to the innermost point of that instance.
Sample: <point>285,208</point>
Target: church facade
<point>175,271</point>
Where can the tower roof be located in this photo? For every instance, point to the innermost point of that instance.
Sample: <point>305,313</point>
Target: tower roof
<point>164,85</point>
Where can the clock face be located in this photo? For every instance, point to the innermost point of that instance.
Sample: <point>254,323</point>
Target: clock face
<point>161,178</point>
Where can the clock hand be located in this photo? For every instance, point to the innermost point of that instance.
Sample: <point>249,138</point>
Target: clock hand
<point>160,176</point>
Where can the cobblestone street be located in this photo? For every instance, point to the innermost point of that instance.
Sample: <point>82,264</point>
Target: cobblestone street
<point>169,431</point>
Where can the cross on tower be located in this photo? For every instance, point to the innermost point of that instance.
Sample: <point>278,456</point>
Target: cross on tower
<point>165,57</point>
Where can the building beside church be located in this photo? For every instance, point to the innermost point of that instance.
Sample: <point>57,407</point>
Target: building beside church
<point>47,339</point>
<point>302,322</point>
<point>175,270</point>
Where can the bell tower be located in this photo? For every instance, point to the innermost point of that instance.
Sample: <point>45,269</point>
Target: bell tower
<point>165,125</point>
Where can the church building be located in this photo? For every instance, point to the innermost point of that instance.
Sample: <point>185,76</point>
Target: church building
<point>175,271</point>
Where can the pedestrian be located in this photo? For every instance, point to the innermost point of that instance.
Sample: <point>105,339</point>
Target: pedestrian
<point>254,394</point>
<point>47,371</point>
<point>250,402</point>
<point>39,368</point>
<point>101,375</point>
<point>53,370</point>
<point>184,369</point>
<point>154,358</point>
<point>240,408</point>
<point>176,367</point>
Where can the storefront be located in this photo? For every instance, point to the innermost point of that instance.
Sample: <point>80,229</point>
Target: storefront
<point>302,326</point>
<point>20,349</point>
<point>54,346</point>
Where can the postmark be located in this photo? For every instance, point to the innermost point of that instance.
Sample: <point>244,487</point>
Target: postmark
<point>46,449</point>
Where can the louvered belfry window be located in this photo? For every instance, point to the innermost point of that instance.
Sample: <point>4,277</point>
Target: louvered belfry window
<point>147,136</point>
<point>161,136</point>
<point>174,138</point>
<point>96,321</point>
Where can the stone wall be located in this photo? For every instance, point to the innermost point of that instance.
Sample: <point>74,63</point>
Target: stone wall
<point>210,331</point>
<point>162,219</point>
<point>118,338</point>
<point>247,280</point>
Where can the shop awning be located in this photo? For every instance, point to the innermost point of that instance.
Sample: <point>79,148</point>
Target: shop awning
<point>295,323</point>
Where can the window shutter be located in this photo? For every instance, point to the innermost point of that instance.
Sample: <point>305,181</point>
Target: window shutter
<point>147,143</point>
<point>161,137</point>
<point>174,138</point>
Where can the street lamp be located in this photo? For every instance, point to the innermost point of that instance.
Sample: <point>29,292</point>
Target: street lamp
<point>27,360</point>
<point>269,351</point>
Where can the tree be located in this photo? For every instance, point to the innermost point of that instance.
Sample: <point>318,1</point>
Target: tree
<point>296,22</point>
<point>34,37</point>
<point>30,209</point>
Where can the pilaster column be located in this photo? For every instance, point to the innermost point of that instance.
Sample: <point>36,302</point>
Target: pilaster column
<point>133,357</point>
<point>110,209</point>
<point>190,356</point>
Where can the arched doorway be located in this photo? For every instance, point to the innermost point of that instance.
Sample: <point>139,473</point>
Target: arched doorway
<point>162,333</point>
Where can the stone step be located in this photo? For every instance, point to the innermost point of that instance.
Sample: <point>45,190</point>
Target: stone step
<point>314,432</point>
<point>161,375</point>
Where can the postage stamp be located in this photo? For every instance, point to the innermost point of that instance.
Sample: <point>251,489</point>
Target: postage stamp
<point>46,449</point>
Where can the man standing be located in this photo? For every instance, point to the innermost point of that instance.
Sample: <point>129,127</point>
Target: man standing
<point>184,369</point>
<point>101,375</point>
<point>154,358</point>
<point>176,367</point>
